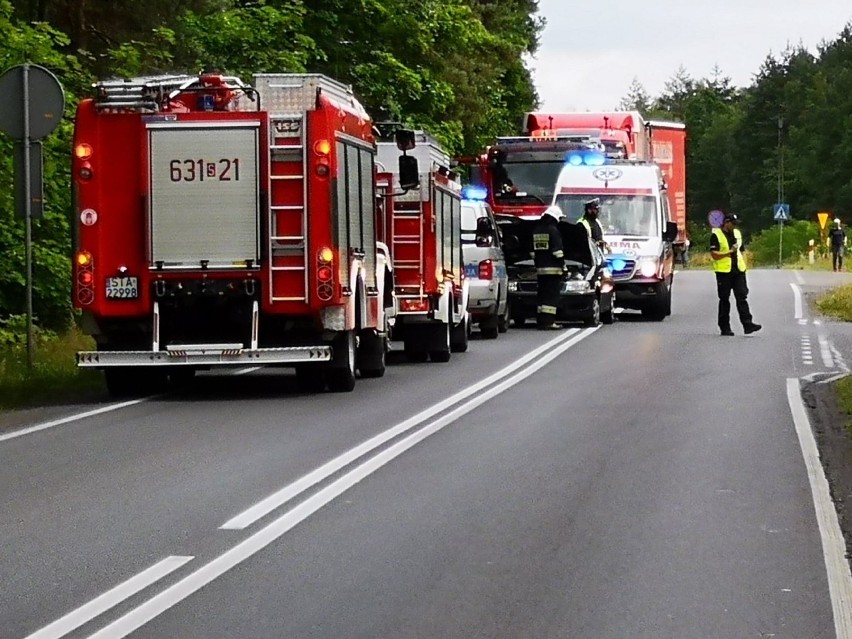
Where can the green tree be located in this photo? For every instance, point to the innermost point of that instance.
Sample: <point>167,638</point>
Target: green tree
<point>637,99</point>
<point>41,44</point>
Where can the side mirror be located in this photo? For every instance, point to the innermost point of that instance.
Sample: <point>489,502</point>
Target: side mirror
<point>484,232</point>
<point>404,139</point>
<point>409,172</point>
<point>670,234</point>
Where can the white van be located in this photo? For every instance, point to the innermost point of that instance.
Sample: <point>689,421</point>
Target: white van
<point>637,226</point>
<point>485,268</point>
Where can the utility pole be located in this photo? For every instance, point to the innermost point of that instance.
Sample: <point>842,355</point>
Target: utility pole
<point>780,183</point>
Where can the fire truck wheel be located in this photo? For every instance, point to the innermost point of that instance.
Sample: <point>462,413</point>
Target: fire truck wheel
<point>371,354</point>
<point>440,351</point>
<point>340,376</point>
<point>310,379</point>
<point>459,336</point>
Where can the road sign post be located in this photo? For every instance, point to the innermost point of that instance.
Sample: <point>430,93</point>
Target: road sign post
<point>33,105</point>
<point>782,214</point>
<point>822,218</point>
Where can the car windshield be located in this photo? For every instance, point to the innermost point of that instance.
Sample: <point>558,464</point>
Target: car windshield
<point>525,182</point>
<point>620,214</point>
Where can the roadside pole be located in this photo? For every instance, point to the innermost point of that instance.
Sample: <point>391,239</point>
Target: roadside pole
<point>32,108</point>
<point>782,214</point>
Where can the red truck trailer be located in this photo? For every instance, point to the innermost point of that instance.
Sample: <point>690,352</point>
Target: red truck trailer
<point>221,224</point>
<point>420,223</point>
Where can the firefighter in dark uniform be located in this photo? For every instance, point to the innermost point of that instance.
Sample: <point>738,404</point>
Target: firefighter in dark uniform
<point>549,266</point>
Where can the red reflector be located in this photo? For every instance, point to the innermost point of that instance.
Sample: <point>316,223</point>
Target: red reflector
<point>324,273</point>
<point>486,270</point>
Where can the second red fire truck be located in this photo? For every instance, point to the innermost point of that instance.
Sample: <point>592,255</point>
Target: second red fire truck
<point>420,223</point>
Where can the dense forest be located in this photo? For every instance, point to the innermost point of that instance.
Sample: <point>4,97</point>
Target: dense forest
<point>455,67</point>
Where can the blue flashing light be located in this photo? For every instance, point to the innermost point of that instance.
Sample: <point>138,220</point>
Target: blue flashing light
<point>574,158</point>
<point>589,157</point>
<point>595,159</point>
<point>474,192</point>
<point>617,264</point>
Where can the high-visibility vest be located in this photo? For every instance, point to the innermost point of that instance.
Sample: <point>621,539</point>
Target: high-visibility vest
<point>723,265</point>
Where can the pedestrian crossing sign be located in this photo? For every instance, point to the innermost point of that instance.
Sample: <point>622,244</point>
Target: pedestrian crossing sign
<point>782,212</point>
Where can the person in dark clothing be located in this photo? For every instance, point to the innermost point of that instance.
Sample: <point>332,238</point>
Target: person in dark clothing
<point>837,236</point>
<point>549,266</point>
<point>726,245</point>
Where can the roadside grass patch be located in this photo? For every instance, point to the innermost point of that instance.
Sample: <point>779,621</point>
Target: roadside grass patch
<point>843,389</point>
<point>54,376</point>
<point>837,303</point>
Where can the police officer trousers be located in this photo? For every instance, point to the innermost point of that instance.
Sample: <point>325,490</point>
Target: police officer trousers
<point>725,283</point>
<point>549,287</point>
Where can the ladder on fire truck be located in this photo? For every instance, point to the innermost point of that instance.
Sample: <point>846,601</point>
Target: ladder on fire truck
<point>287,97</point>
<point>407,237</point>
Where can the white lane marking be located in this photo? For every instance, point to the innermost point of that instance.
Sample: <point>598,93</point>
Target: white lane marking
<point>807,353</point>
<point>825,351</point>
<point>797,300</point>
<point>833,544</point>
<point>244,371</point>
<point>71,418</point>
<point>839,359</point>
<point>193,582</point>
<point>798,277</point>
<point>98,606</point>
<point>282,496</point>
<point>833,378</point>
<point>91,413</point>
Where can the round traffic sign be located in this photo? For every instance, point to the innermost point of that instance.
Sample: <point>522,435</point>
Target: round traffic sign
<point>716,218</point>
<point>29,89</point>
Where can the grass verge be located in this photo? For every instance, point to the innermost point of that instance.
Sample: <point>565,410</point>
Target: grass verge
<point>837,303</point>
<point>54,377</point>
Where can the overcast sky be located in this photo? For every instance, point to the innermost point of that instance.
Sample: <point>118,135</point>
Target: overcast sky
<point>591,51</point>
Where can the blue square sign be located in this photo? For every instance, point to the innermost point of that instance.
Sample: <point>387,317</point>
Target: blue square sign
<point>782,212</point>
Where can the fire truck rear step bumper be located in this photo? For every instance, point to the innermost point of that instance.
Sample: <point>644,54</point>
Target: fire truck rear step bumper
<point>204,354</point>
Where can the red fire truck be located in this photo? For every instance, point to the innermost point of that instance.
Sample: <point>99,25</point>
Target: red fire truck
<point>221,224</point>
<point>520,172</point>
<point>421,226</point>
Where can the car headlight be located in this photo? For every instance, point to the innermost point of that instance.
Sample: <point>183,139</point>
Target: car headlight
<point>648,267</point>
<point>513,286</point>
<point>575,286</point>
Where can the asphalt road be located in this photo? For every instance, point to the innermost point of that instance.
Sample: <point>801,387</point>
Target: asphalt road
<point>639,480</point>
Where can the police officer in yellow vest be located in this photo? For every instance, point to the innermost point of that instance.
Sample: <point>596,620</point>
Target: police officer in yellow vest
<point>549,266</point>
<point>591,211</point>
<point>726,245</point>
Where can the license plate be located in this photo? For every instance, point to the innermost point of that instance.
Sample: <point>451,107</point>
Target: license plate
<point>122,288</point>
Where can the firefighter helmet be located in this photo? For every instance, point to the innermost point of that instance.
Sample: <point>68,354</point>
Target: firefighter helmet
<point>555,212</point>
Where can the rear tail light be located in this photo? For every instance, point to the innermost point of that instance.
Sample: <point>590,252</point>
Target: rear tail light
<point>486,270</point>
<point>83,151</point>
<point>85,270</point>
<point>325,274</point>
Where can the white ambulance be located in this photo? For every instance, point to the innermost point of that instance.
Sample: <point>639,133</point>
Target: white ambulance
<point>636,223</point>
